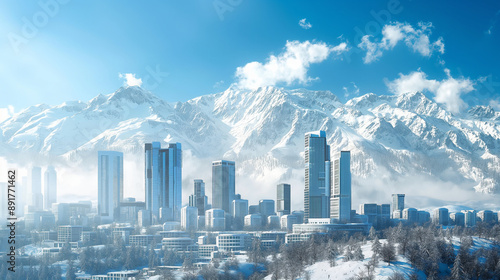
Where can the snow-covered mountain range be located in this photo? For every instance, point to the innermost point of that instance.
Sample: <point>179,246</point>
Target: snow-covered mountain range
<point>406,143</point>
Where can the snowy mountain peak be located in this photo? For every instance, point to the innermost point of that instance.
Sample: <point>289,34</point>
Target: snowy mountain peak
<point>133,94</point>
<point>482,112</point>
<point>391,138</point>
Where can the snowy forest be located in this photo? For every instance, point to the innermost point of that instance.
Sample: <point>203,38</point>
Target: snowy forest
<point>429,252</point>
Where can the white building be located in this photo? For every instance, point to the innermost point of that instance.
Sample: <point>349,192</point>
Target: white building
<point>253,221</point>
<point>215,220</point>
<point>176,243</point>
<point>189,218</point>
<point>287,222</point>
<point>234,242</point>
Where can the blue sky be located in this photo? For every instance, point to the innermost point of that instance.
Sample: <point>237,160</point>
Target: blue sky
<point>54,51</point>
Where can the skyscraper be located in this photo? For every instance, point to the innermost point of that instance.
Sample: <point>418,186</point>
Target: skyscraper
<point>283,199</point>
<point>317,176</point>
<point>36,188</point>
<point>398,202</point>
<point>49,188</point>
<point>110,183</point>
<point>341,188</point>
<point>223,184</point>
<point>198,199</point>
<point>163,179</point>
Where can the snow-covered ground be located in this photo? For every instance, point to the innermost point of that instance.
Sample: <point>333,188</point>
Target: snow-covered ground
<point>347,270</point>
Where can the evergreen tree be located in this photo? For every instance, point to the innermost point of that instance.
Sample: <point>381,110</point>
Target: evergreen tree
<point>457,272</point>
<point>65,252</point>
<point>70,272</point>
<point>187,265</point>
<point>376,246</point>
<point>152,257</point>
<point>332,253</point>
<point>358,254</point>
<point>373,233</point>
<point>348,255</point>
<point>388,253</point>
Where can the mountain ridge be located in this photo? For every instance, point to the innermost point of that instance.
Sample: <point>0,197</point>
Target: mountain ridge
<point>263,130</point>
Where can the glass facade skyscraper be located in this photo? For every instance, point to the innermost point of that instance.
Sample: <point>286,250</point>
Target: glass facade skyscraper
<point>223,184</point>
<point>283,199</point>
<point>110,183</point>
<point>340,203</point>
<point>163,179</point>
<point>317,176</point>
<point>49,188</point>
<point>198,199</point>
<point>398,202</point>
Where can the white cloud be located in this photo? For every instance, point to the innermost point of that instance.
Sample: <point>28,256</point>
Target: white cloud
<point>304,24</point>
<point>218,84</point>
<point>130,79</point>
<point>447,91</point>
<point>288,67</point>
<point>493,23</point>
<point>353,92</point>
<point>6,113</point>
<point>416,39</point>
<point>495,104</point>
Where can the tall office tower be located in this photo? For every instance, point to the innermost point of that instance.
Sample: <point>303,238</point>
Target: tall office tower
<point>198,199</point>
<point>163,179</point>
<point>317,176</point>
<point>283,199</point>
<point>398,202</point>
<point>36,188</point>
<point>110,183</point>
<point>223,184</point>
<point>341,188</point>
<point>49,188</point>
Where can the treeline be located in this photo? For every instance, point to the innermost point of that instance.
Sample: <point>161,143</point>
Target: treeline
<point>429,250</point>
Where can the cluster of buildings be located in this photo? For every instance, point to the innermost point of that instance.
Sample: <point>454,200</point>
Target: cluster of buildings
<point>207,228</point>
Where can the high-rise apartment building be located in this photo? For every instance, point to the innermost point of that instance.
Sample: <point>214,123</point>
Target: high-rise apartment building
<point>110,183</point>
<point>283,199</point>
<point>223,184</point>
<point>163,180</point>
<point>49,188</point>
<point>341,188</point>
<point>398,202</point>
<point>198,199</point>
<point>36,188</point>
<point>317,176</point>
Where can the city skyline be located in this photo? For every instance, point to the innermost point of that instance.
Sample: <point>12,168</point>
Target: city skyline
<point>258,139</point>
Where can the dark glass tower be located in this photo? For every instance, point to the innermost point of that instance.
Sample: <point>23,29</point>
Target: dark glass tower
<point>283,199</point>
<point>223,184</point>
